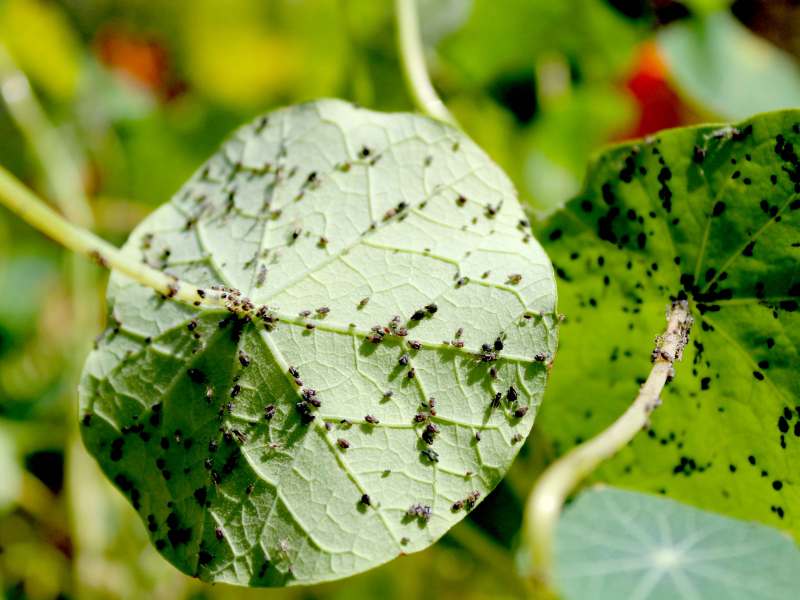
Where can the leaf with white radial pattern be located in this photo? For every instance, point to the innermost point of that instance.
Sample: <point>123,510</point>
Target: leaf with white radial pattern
<point>403,293</point>
<point>613,544</point>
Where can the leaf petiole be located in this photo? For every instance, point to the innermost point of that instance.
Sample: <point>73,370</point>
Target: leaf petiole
<point>548,496</point>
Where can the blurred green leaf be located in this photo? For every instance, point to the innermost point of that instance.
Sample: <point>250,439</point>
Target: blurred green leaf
<point>728,71</point>
<point>615,544</point>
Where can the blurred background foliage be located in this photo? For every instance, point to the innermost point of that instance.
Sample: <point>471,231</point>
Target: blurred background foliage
<point>109,105</point>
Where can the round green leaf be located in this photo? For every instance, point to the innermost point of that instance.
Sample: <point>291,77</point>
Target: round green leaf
<point>387,249</point>
<point>712,214</point>
<point>614,544</point>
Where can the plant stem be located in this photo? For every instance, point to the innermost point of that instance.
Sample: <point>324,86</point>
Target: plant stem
<point>33,210</point>
<point>413,61</point>
<point>547,499</point>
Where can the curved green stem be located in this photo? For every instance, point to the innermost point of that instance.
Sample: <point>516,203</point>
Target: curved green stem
<point>547,499</point>
<point>34,211</point>
<point>413,60</point>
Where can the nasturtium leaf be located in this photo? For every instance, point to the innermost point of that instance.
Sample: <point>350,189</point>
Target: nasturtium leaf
<point>409,250</point>
<point>728,70</point>
<point>710,213</point>
<point>612,544</point>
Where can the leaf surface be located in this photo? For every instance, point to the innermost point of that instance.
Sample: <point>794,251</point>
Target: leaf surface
<point>616,544</point>
<point>712,214</point>
<point>336,219</point>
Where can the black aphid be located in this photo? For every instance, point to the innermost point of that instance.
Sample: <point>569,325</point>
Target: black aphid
<point>520,412</point>
<point>511,394</point>
<point>403,360</point>
<point>371,420</point>
<point>343,443</point>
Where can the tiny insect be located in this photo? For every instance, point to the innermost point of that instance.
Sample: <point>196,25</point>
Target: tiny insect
<point>363,302</point>
<point>366,500</point>
<point>388,394</point>
<point>371,420</point>
<point>514,278</point>
<point>294,372</point>
<point>477,436</point>
<point>511,394</point>
<point>498,344</point>
<point>418,315</point>
<point>431,308</point>
<point>269,412</point>
<point>431,454</point>
<point>343,443</point>
<point>520,412</point>
<point>218,532</point>
<point>496,400</point>
<point>403,360</point>
<point>493,372</point>
<point>235,390</point>
<point>411,373</point>
<point>540,357</point>
<point>323,310</point>
<point>415,344</point>
<point>420,417</point>
<point>244,359</point>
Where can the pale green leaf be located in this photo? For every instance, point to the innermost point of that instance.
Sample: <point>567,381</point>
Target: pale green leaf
<point>615,544</point>
<point>369,216</point>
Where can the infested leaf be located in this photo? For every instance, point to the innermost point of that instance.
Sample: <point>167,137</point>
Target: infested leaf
<point>616,544</point>
<point>712,214</point>
<point>379,253</point>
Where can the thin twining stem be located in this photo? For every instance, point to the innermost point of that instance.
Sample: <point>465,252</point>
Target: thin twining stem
<point>33,210</point>
<point>547,499</point>
<point>412,58</point>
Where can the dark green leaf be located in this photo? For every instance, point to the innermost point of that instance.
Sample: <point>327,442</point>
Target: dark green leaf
<point>713,214</point>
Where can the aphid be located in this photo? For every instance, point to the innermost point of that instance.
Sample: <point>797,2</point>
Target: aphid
<point>498,344</point>
<point>196,375</point>
<point>459,332</point>
<point>540,357</point>
<point>496,400</point>
<point>418,315</point>
<point>343,443</point>
<point>401,331</point>
<point>304,313</point>
<point>323,242</point>
<point>310,326</point>
<point>366,500</point>
<point>323,310</point>
<point>472,499</point>
<point>516,438</point>
<point>514,278</point>
<point>365,152</point>
<point>411,373</point>
<point>235,390</point>
<point>430,433</point>
<point>462,281</point>
<point>262,276</point>
<point>244,359</point>
<point>403,360</point>
<point>192,325</point>
<point>457,505</point>
<point>420,418</point>
<point>488,357</point>
<point>486,348</point>
<point>431,454</point>
<point>388,394</point>
<point>461,200</point>
<point>493,372</point>
<point>415,344</point>
<point>269,412</point>
<point>477,436</point>
<point>431,308</point>
<point>371,420</point>
<point>296,232</point>
<point>520,412</point>
<point>363,302</point>
<point>294,372</point>
<point>328,425</point>
<point>511,394</point>
<point>219,533</point>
